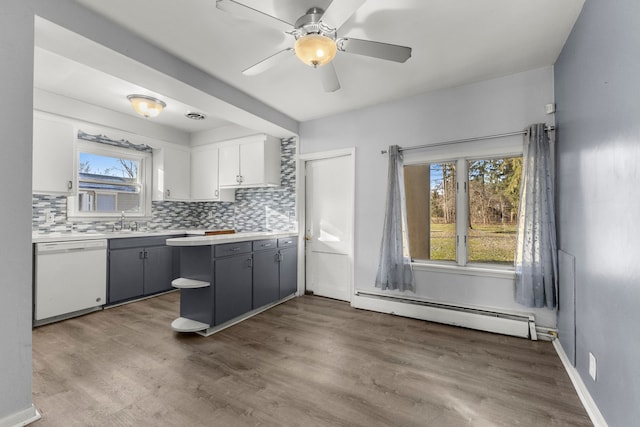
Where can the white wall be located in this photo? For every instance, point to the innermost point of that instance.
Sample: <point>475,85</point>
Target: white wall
<point>16,82</point>
<point>490,107</point>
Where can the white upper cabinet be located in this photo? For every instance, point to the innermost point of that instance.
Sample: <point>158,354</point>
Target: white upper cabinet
<point>204,176</point>
<point>171,174</point>
<point>253,161</point>
<point>52,156</point>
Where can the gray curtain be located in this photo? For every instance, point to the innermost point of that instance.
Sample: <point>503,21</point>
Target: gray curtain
<point>394,269</point>
<point>536,260</point>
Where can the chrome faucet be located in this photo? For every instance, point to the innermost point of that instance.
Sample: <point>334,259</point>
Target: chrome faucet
<point>122,218</point>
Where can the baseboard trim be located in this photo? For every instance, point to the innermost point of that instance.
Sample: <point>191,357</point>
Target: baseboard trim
<point>583,393</point>
<point>441,314</point>
<point>21,418</point>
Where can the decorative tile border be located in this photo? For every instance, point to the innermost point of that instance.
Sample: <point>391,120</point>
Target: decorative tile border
<point>255,209</point>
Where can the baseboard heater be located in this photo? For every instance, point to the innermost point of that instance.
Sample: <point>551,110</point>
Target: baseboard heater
<point>519,325</point>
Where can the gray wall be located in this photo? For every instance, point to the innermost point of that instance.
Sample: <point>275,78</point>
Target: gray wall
<point>490,107</point>
<point>597,83</point>
<point>16,86</point>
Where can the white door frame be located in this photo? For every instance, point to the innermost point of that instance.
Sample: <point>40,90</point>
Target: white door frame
<point>302,215</point>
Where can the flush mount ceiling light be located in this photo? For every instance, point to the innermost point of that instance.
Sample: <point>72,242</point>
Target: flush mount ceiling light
<point>146,106</point>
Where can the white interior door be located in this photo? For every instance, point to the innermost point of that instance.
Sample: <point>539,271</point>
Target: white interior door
<point>329,201</point>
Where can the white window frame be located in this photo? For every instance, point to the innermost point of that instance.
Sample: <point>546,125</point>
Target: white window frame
<point>144,174</point>
<point>461,154</point>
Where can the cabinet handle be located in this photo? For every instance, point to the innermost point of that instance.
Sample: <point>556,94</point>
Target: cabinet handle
<point>250,262</point>
<point>241,179</point>
<point>168,193</point>
<point>141,254</point>
<point>266,245</point>
<point>280,257</point>
<point>234,249</point>
<point>238,179</point>
<point>69,185</point>
<point>217,193</point>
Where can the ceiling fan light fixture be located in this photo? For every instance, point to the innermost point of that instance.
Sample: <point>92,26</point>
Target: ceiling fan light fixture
<point>146,106</point>
<point>315,50</point>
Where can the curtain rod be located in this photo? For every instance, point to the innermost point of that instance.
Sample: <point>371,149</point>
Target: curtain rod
<point>477,138</point>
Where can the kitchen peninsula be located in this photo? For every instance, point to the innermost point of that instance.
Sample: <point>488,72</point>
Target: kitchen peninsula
<point>225,279</point>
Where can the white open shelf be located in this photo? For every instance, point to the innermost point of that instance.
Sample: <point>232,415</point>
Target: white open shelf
<point>182,324</point>
<point>182,283</point>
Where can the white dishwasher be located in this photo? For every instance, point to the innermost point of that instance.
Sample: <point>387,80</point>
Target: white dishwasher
<point>70,278</point>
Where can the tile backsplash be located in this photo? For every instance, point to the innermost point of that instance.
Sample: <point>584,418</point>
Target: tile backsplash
<point>255,209</point>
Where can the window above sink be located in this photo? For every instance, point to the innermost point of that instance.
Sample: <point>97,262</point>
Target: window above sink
<point>110,181</point>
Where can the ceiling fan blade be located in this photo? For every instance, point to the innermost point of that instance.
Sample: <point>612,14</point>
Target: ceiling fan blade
<point>267,63</point>
<point>329,77</point>
<point>243,11</point>
<point>339,11</point>
<point>390,52</point>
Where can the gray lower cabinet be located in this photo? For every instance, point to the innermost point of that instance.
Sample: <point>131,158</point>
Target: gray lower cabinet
<point>126,274</point>
<point>288,264</point>
<point>236,278</point>
<point>232,281</point>
<point>266,272</point>
<point>138,267</point>
<point>288,271</point>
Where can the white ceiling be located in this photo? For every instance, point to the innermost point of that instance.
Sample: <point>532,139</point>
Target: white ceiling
<point>454,42</point>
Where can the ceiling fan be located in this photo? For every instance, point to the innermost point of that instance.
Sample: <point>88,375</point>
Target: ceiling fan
<point>316,39</point>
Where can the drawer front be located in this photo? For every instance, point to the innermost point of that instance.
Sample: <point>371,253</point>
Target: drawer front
<point>259,245</point>
<point>139,242</point>
<point>228,249</point>
<point>285,242</point>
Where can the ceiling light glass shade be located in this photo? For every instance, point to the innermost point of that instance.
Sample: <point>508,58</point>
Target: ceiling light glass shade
<point>146,105</point>
<point>315,50</point>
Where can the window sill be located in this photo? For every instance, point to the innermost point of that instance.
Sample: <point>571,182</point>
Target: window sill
<point>469,270</point>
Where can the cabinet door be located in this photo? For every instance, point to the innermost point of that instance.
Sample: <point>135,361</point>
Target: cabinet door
<point>266,287</point>
<point>158,269</point>
<point>52,157</point>
<point>125,274</point>
<point>171,174</point>
<point>229,161</point>
<point>288,271</point>
<point>177,176</point>
<point>204,173</point>
<point>232,281</point>
<point>252,163</point>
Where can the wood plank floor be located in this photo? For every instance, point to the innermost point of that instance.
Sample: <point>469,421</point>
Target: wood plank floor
<point>308,362</point>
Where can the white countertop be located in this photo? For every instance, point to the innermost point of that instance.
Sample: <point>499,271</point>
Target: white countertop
<point>196,236</point>
<point>228,238</point>
<point>90,235</point>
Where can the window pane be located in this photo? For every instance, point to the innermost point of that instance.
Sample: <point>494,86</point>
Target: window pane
<point>494,195</point>
<point>431,210</point>
<point>108,184</point>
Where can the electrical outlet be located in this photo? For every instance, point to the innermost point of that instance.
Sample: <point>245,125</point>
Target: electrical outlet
<point>49,217</point>
<point>592,366</point>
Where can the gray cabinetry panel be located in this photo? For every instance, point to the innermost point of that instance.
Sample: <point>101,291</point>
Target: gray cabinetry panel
<point>125,274</point>
<point>286,242</point>
<point>266,287</point>
<point>259,245</point>
<point>233,276</point>
<point>158,269</point>
<point>229,249</point>
<point>288,271</point>
<point>139,266</point>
